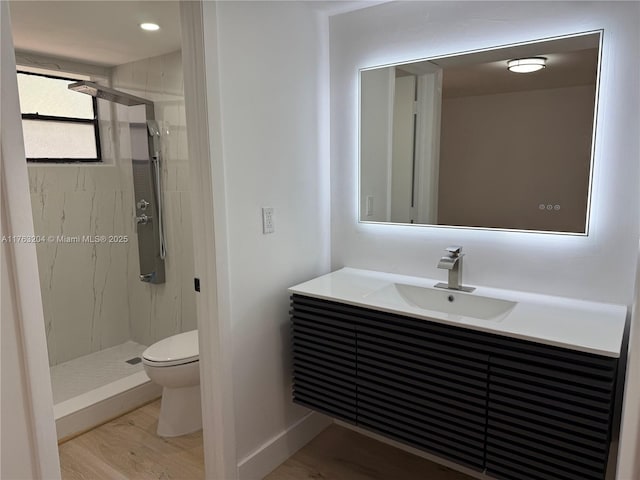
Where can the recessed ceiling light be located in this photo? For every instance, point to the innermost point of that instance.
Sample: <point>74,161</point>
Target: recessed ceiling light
<point>527,65</point>
<point>152,27</point>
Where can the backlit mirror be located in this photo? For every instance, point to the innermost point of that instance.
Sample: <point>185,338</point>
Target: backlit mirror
<point>466,140</point>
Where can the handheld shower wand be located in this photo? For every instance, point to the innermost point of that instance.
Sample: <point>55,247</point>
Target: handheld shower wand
<point>154,133</point>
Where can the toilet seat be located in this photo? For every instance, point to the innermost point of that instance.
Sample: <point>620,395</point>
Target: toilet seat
<point>176,350</point>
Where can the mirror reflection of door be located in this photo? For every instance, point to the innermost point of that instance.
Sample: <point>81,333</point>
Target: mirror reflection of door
<point>416,146</point>
<point>462,141</point>
<point>400,131</point>
<point>402,150</point>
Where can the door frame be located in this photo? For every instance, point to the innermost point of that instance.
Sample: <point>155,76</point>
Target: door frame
<point>208,207</point>
<point>22,263</point>
<point>207,181</point>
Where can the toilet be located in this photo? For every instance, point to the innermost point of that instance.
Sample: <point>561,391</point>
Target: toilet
<point>173,363</point>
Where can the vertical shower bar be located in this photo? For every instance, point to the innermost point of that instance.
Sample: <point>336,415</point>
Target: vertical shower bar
<point>145,159</point>
<point>147,201</point>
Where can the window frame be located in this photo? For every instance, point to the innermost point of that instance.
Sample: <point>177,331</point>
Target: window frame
<point>54,118</point>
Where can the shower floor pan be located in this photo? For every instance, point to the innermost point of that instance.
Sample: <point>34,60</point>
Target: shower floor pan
<point>95,388</point>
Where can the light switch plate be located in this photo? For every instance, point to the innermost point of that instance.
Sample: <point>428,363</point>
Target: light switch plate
<point>267,220</point>
<point>369,206</point>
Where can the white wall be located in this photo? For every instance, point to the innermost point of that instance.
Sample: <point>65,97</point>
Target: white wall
<point>580,267</point>
<point>629,453</point>
<point>488,178</point>
<point>273,91</point>
<point>598,267</point>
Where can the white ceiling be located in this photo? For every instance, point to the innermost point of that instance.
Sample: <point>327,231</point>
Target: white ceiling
<point>571,61</point>
<point>106,32</point>
<point>97,32</point>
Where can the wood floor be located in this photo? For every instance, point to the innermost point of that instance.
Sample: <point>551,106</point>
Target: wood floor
<point>342,454</point>
<point>128,448</point>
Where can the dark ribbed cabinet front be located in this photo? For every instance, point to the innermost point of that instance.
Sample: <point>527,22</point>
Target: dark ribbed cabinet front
<point>514,409</point>
<point>419,385</point>
<point>324,358</point>
<point>550,413</point>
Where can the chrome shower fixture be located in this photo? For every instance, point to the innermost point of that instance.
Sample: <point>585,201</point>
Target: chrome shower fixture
<point>109,94</point>
<point>145,159</point>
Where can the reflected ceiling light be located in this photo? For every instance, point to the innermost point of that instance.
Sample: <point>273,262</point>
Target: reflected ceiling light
<point>527,65</point>
<point>151,27</point>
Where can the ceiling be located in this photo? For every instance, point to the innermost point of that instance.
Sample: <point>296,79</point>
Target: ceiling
<point>571,61</point>
<point>97,32</point>
<point>563,70</point>
<point>106,32</point>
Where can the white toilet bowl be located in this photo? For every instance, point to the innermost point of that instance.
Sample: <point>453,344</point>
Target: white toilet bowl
<point>174,364</point>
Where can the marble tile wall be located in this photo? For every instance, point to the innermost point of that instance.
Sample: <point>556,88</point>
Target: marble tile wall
<point>158,311</point>
<point>91,293</point>
<point>83,283</point>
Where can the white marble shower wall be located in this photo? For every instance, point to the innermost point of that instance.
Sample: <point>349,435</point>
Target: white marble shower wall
<point>83,283</point>
<point>158,311</point>
<point>91,293</point>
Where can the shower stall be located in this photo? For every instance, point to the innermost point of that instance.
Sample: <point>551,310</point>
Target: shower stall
<point>105,301</point>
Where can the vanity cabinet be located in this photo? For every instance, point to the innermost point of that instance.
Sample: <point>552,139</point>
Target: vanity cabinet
<point>514,409</point>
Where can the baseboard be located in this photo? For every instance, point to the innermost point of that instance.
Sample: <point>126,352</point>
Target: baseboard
<point>94,408</point>
<point>265,459</point>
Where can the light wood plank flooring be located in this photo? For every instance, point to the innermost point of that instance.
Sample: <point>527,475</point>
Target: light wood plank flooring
<point>342,454</point>
<point>128,448</point>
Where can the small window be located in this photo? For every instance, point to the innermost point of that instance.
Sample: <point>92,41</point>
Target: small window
<point>59,125</point>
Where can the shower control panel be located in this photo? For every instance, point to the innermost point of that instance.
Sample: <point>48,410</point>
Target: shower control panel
<point>148,192</point>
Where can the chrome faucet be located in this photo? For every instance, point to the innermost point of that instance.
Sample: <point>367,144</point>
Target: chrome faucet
<point>453,263</point>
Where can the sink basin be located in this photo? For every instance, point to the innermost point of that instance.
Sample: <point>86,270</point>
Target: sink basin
<point>449,302</point>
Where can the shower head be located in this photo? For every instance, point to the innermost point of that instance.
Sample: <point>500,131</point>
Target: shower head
<point>153,127</point>
<point>99,91</point>
<point>154,132</point>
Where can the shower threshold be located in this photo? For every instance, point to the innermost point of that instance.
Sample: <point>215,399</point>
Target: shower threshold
<point>98,387</point>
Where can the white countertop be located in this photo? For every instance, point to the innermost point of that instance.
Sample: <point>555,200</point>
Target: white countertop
<point>574,324</point>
